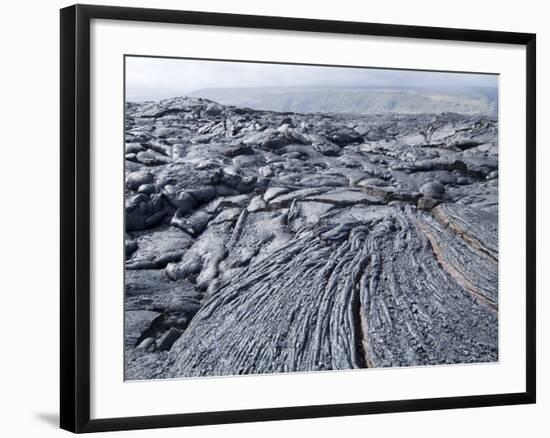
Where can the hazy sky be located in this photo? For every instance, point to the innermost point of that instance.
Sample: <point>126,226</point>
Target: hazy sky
<point>158,78</point>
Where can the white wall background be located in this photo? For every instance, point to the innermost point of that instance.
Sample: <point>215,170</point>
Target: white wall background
<point>29,182</point>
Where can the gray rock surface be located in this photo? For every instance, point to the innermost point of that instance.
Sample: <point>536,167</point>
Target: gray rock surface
<point>260,242</point>
<point>137,323</point>
<point>433,189</point>
<point>167,339</point>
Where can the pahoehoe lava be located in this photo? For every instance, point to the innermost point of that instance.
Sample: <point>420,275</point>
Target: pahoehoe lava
<point>262,242</point>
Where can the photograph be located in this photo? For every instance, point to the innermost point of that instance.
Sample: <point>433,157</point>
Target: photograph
<point>305,218</point>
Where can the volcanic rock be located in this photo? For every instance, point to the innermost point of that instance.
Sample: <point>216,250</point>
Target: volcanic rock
<point>262,241</point>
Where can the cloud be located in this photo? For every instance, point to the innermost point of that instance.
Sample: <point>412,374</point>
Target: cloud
<point>158,78</point>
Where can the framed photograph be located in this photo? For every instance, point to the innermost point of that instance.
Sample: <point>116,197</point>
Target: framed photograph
<point>269,218</point>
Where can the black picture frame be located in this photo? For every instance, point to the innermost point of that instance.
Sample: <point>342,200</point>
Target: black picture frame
<point>75,217</point>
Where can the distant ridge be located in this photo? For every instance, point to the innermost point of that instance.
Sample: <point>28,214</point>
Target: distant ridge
<point>358,100</point>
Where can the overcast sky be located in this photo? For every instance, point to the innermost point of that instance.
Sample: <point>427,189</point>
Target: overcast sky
<point>158,78</point>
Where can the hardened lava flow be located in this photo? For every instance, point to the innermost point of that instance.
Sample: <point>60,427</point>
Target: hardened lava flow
<point>261,242</point>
